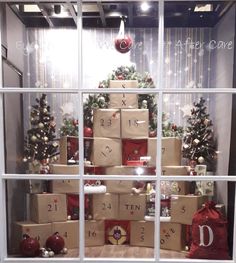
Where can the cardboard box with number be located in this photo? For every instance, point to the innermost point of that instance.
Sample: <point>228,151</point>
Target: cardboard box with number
<point>39,231</point>
<point>94,233</point>
<point>172,236</point>
<point>119,186</point>
<point>134,123</point>
<point>106,123</point>
<point>69,230</point>
<point>183,207</point>
<point>65,186</point>
<point>171,151</point>
<point>175,170</point>
<point>132,207</point>
<point>64,169</point>
<point>123,101</point>
<point>142,234</point>
<point>105,206</point>
<point>107,152</point>
<point>46,208</point>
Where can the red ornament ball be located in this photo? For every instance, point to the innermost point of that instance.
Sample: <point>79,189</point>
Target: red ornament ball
<point>56,243</point>
<point>88,132</point>
<point>120,77</point>
<point>123,45</point>
<point>152,133</point>
<point>29,247</point>
<point>75,122</point>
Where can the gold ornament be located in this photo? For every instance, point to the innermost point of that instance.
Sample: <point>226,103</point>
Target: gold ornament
<point>33,138</point>
<point>41,125</point>
<point>201,159</point>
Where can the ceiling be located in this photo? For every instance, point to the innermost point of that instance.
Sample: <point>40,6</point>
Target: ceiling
<point>107,14</point>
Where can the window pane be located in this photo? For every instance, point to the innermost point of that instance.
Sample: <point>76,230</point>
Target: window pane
<point>199,44</point>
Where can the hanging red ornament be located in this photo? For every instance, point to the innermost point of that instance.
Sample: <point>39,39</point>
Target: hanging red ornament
<point>123,43</point>
<point>29,247</point>
<point>56,243</point>
<point>88,132</point>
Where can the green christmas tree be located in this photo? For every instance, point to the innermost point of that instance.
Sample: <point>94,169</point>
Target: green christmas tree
<point>40,142</point>
<point>199,144</point>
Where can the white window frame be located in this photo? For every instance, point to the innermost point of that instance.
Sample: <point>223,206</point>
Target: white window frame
<point>80,91</point>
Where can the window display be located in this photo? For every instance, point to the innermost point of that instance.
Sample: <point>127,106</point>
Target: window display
<point>117,136</point>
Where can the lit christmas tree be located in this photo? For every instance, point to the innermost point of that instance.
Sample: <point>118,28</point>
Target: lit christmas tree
<point>40,144</point>
<point>199,144</point>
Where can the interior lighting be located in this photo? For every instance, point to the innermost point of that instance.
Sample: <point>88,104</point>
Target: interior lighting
<point>145,7</point>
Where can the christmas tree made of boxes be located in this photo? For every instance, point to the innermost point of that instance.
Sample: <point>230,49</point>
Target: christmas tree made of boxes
<point>123,137</point>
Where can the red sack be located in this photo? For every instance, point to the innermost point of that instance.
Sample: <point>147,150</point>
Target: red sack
<point>209,234</point>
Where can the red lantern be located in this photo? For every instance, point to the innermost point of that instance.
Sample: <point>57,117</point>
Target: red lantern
<point>123,43</point>
<point>56,243</point>
<point>29,247</point>
<point>88,132</point>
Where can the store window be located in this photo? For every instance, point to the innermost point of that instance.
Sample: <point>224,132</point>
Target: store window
<point>117,131</point>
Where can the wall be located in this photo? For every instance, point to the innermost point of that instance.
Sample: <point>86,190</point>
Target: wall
<point>222,66</point>
<point>15,35</point>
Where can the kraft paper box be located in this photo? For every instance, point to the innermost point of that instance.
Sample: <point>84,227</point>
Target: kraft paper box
<point>130,170</point>
<point>46,208</point>
<point>171,151</point>
<point>65,186</point>
<point>106,123</point>
<point>94,233</point>
<point>107,152</point>
<point>64,169</point>
<point>117,232</point>
<point>183,207</point>
<point>39,231</point>
<point>132,207</point>
<point>122,101</point>
<point>175,170</point>
<point>69,230</point>
<point>172,236</point>
<point>121,170</point>
<point>69,146</point>
<point>119,186</point>
<point>134,123</point>
<point>180,188</point>
<point>142,234</point>
<point>105,206</point>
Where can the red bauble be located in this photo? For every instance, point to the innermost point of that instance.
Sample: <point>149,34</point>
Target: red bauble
<point>153,133</point>
<point>29,247</point>
<point>88,132</point>
<point>56,243</point>
<point>75,122</point>
<point>120,77</point>
<point>123,45</point>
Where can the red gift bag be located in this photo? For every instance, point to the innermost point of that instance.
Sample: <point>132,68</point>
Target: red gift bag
<point>209,234</point>
<point>132,150</point>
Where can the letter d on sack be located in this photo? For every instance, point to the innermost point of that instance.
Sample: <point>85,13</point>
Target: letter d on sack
<point>211,236</point>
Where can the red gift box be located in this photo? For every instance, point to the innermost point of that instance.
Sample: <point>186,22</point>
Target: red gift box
<point>132,150</point>
<point>73,206</point>
<point>117,232</point>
